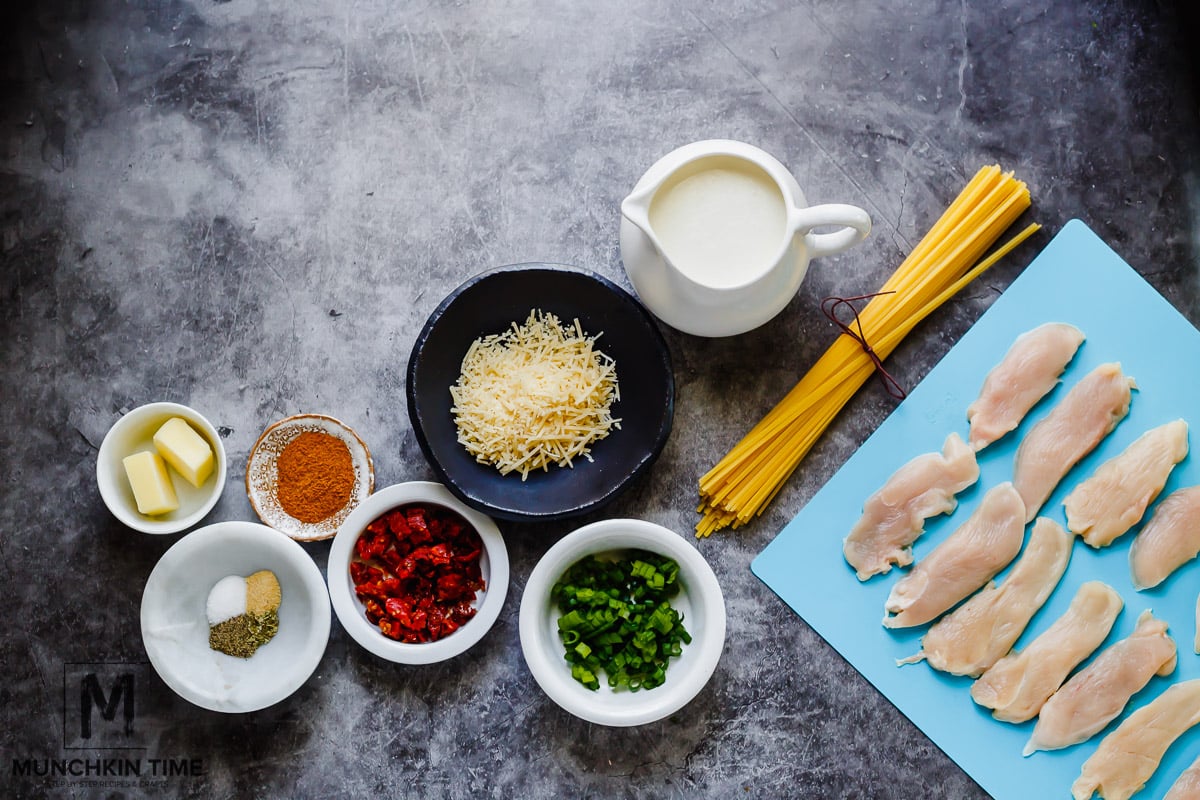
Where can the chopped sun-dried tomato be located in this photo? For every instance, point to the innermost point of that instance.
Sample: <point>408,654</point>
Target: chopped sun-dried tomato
<point>371,544</point>
<point>418,572</point>
<point>359,572</point>
<point>393,558</point>
<point>416,518</point>
<point>374,610</point>
<point>438,554</point>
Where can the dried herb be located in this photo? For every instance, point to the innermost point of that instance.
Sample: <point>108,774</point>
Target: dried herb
<point>242,635</point>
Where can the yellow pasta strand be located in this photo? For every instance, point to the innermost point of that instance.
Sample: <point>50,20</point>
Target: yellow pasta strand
<point>946,259</point>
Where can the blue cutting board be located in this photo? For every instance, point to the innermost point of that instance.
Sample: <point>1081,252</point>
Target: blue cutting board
<point>1076,279</point>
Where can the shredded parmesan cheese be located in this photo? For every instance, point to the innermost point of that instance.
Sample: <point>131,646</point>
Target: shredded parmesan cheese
<point>538,394</point>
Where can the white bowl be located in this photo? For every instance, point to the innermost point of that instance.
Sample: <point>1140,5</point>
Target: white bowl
<point>350,612</point>
<point>699,602</point>
<point>134,432</point>
<point>175,621</point>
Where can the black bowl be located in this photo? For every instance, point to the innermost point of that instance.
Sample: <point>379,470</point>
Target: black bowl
<point>489,303</point>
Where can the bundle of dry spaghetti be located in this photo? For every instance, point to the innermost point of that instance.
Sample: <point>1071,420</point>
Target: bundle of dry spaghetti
<point>750,475</point>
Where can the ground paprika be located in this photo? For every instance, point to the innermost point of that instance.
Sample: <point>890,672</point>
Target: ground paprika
<point>315,476</point>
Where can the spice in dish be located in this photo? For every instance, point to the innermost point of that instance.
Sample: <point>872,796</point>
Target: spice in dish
<point>226,599</point>
<point>315,476</point>
<point>417,572</point>
<point>617,618</point>
<point>243,613</point>
<point>538,394</point>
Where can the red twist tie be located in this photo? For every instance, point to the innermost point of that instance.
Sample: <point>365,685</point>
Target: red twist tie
<point>830,306</point>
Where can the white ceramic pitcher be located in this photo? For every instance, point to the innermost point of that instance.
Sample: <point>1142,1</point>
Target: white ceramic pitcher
<point>716,237</point>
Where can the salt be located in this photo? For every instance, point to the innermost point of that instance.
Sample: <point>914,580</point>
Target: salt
<point>227,599</point>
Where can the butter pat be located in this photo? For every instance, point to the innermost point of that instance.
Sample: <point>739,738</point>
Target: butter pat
<point>185,450</point>
<point>151,485</point>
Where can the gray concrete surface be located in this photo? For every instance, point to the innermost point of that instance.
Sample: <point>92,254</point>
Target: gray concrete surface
<point>251,207</point>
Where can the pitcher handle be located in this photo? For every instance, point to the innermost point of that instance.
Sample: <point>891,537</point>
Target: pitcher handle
<point>855,222</point>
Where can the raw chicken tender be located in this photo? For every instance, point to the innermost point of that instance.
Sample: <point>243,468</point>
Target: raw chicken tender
<point>1187,785</point>
<point>1097,694</point>
<point>1020,683</point>
<point>982,630</point>
<point>1168,541</point>
<point>1110,502</point>
<point>1071,430</point>
<point>1026,374</point>
<point>1128,756</point>
<point>894,517</point>
<point>968,558</point>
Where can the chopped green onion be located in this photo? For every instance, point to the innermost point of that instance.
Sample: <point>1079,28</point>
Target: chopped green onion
<point>617,618</point>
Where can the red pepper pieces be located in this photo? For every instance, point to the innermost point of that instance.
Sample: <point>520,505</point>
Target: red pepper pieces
<point>418,572</point>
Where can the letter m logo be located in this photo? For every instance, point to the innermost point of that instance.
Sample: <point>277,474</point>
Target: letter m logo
<point>99,705</point>
<point>92,697</point>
